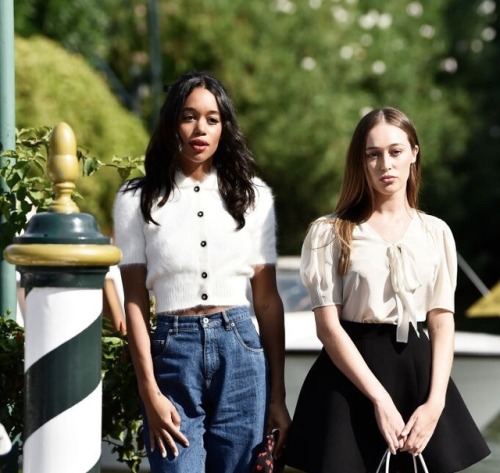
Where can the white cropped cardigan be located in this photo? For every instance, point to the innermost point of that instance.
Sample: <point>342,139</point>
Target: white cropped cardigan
<point>196,256</point>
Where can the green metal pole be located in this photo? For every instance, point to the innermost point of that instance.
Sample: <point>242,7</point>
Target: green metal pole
<point>155,50</point>
<point>8,301</point>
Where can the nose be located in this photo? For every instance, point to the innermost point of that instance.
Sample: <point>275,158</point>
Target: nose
<point>201,127</point>
<point>386,162</point>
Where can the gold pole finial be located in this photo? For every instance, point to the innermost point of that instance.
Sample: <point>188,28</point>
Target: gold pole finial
<point>62,168</point>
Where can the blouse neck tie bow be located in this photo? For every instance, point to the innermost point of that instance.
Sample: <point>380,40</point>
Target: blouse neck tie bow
<point>404,280</point>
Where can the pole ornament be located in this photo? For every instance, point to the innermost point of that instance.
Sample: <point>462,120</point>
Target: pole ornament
<point>62,237</point>
<point>62,168</point>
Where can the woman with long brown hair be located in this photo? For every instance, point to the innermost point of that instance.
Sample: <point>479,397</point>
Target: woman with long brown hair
<point>378,270</point>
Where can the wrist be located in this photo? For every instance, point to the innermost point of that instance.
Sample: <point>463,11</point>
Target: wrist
<point>277,394</point>
<point>149,392</point>
<point>380,397</point>
<point>436,402</point>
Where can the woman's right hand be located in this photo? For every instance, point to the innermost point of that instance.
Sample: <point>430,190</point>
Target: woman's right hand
<point>390,424</point>
<point>346,356</point>
<point>164,425</point>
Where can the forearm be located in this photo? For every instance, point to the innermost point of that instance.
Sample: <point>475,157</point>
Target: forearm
<point>441,328</point>
<point>140,352</point>
<point>345,355</point>
<point>271,327</point>
<point>137,315</point>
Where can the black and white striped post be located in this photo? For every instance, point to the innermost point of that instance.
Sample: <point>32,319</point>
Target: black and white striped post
<point>63,260</point>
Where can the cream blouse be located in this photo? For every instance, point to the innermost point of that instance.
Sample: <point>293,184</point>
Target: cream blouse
<point>394,283</point>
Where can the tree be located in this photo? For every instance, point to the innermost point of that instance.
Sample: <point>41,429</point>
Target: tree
<point>473,28</point>
<point>111,34</point>
<point>53,85</point>
<point>302,73</point>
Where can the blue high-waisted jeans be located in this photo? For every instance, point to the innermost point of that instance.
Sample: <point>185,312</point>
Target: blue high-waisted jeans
<point>214,371</point>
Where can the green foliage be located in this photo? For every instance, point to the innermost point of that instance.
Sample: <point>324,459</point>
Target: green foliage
<point>23,173</point>
<point>121,420</point>
<point>111,34</point>
<point>30,190</point>
<point>301,74</point>
<point>474,31</point>
<point>53,86</point>
<point>121,417</point>
<point>11,376</point>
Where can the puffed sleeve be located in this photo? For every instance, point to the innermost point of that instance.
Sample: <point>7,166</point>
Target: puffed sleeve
<point>263,226</point>
<point>318,265</point>
<point>443,296</point>
<point>128,227</point>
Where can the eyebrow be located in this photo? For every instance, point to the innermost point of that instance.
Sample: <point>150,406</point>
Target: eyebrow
<point>191,109</point>
<point>378,147</point>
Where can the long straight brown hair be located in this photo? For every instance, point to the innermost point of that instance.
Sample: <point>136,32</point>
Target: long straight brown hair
<point>357,199</point>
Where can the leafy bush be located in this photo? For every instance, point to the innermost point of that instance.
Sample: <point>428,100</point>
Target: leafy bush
<point>53,85</point>
<point>121,416</point>
<point>11,376</point>
<point>30,188</point>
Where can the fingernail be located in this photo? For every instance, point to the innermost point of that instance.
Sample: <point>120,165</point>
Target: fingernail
<point>163,454</point>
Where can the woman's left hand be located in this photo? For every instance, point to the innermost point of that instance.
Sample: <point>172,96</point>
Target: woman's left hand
<point>420,427</point>
<point>279,418</point>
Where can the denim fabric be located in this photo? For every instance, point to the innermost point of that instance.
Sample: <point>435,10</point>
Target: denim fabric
<point>214,371</point>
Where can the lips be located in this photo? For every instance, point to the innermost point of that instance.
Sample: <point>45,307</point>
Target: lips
<point>198,145</point>
<point>387,179</point>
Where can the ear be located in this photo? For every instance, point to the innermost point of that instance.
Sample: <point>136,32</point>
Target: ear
<point>415,152</point>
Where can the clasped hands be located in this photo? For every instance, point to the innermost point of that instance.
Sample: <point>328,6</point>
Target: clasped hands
<point>411,437</point>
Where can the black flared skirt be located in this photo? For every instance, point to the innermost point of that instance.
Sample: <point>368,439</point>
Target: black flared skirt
<point>334,429</point>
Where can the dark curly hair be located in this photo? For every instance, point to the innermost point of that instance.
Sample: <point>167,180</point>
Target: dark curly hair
<point>233,161</point>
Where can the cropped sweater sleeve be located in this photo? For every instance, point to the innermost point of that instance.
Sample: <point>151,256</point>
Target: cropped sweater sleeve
<point>262,220</point>
<point>128,227</point>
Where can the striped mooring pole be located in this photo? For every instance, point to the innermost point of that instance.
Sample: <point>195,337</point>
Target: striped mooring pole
<point>63,260</point>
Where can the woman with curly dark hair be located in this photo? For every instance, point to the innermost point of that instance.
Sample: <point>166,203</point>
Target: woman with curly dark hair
<point>195,232</point>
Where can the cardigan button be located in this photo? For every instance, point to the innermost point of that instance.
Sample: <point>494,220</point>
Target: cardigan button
<point>203,243</point>
<point>200,214</point>
<point>197,188</point>
<point>204,297</point>
<point>204,275</point>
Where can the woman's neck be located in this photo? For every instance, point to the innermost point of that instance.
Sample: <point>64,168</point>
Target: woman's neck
<point>392,205</point>
<point>197,173</point>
